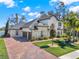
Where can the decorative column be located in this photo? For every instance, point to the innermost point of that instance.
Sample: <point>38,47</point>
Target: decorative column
<point>27,35</point>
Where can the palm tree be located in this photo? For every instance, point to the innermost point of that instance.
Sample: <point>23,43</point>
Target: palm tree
<point>69,23</point>
<point>77,29</point>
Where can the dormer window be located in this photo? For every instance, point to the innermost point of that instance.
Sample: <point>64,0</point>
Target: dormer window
<point>38,21</point>
<point>35,28</point>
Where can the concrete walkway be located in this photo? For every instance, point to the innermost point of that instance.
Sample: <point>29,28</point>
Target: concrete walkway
<point>72,55</point>
<point>25,50</point>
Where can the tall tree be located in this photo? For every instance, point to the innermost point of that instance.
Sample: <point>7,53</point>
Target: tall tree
<point>60,10</point>
<point>69,23</point>
<point>77,28</point>
<point>16,18</point>
<point>6,28</point>
<point>23,19</point>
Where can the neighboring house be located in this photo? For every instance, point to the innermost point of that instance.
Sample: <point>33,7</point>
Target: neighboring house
<point>39,27</point>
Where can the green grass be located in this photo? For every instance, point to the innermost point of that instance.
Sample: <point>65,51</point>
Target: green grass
<point>3,51</point>
<point>40,44</point>
<point>58,51</point>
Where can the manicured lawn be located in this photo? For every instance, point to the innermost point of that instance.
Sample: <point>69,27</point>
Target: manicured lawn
<point>44,43</point>
<point>58,51</point>
<point>3,52</point>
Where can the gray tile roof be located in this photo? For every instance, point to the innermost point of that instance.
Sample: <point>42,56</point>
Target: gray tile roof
<point>29,23</point>
<point>42,17</point>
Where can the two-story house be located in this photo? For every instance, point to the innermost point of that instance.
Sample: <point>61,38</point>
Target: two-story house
<point>39,27</point>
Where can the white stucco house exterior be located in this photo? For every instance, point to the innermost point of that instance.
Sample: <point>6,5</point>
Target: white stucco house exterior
<point>39,27</point>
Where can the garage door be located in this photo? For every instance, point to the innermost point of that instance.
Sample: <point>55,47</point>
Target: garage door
<point>24,34</point>
<point>29,35</point>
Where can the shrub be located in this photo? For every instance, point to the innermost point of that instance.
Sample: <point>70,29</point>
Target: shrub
<point>41,38</point>
<point>7,35</point>
<point>58,36</point>
<point>45,38</point>
<point>33,39</point>
<point>64,35</point>
<point>51,37</point>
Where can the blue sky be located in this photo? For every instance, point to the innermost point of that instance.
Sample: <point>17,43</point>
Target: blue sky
<point>31,8</point>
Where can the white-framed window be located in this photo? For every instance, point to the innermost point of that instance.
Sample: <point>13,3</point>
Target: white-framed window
<point>59,23</point>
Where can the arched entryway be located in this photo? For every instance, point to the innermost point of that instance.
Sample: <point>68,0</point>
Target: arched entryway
<point>52,31</point>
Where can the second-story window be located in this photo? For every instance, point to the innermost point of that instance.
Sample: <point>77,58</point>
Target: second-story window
<point>59,23</point>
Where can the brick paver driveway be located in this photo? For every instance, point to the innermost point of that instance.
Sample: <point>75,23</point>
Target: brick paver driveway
<point>25,50</point>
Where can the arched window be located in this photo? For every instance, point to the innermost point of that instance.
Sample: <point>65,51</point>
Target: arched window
<point>52,31</point>
<point>35,28</point>
<point>52,26</point>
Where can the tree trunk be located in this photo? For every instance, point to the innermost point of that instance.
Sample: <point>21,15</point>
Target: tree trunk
<point>77,35</point>
<point>73,35</point>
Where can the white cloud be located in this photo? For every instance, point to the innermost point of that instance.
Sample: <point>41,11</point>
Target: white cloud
<point>21,1</point>
<point>9,3</point>
<point>33,15</point>
<point>74,8</point>
<point>36,14</point>
<point>23,14</point>
<point>27,9</point>
<point>65,1</point>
